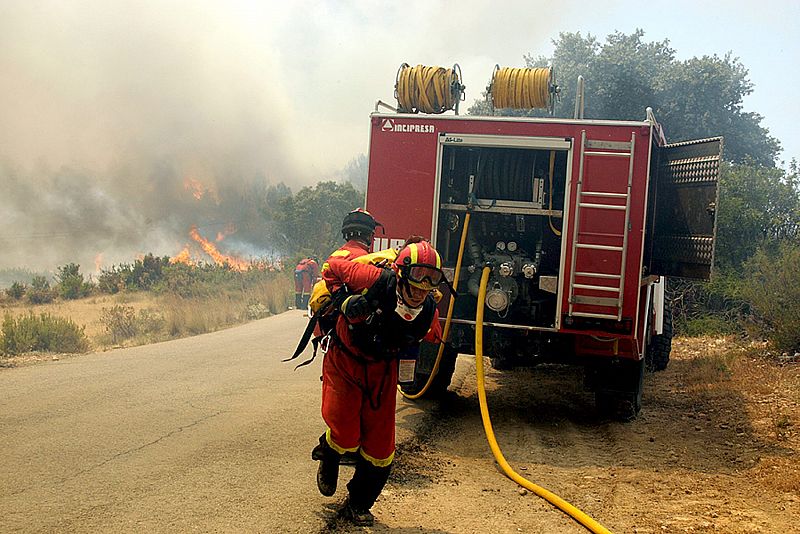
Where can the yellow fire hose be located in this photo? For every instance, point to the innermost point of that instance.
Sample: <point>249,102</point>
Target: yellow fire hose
<point>446,331</point>
<point>550,497</point>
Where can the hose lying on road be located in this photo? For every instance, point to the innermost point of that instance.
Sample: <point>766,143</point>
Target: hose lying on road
<point>550,497</point>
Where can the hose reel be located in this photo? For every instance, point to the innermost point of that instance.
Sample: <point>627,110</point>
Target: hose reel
<point>523,88</point>
<point>428,89</point>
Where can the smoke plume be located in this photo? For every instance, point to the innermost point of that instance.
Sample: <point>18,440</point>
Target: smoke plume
<point>122,130</point>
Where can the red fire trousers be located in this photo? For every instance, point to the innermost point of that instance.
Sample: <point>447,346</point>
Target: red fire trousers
<point>358,405</point>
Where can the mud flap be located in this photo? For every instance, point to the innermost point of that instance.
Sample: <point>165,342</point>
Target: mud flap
<point>618,388</point>
<point>425,363</point>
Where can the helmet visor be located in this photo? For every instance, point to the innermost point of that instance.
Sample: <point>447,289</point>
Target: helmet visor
<point>425,276</point>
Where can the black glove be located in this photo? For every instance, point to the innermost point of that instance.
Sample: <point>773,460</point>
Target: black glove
<point>356,307</point>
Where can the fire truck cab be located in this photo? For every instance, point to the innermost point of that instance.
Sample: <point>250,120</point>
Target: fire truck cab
<point>579,220</point>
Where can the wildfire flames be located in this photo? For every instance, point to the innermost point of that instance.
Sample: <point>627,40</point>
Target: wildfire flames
<point>198,191</point>
<point>195,187</point>
<point>218,257</point>
<point>184,256</point>
<point>229,229</point>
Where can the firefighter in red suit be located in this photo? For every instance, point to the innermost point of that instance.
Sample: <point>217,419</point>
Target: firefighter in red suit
<point>389,311</point>
<point>358,230</point>
<point>305,276</point>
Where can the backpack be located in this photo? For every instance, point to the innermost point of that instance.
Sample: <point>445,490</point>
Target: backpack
<point>323,307</point>
<point>321,296</point>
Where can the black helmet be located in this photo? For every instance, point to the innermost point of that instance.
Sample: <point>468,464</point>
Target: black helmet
<point>359,224</point>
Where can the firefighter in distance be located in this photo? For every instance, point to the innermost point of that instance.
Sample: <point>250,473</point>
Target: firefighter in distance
<point>305,275</point>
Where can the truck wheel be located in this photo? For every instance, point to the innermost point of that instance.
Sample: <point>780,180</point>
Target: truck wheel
<point>621,399</point>
<point>425,362</point>
<point>657,355</point>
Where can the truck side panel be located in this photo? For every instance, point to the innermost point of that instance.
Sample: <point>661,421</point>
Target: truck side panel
<point>403,174</point>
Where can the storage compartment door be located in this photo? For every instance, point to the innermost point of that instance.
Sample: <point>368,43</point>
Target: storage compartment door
<point>685,208</point>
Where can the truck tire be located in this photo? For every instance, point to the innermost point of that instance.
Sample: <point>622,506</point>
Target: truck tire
<point>425,362</point>
<point>657,355</point>
<point>621,400</point>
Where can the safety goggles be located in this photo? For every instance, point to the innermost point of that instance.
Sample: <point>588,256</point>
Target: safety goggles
<point>427,277</point>
<point>424,276</point>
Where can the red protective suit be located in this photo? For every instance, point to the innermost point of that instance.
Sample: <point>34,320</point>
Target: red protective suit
<point>349,251</point>
<point>305,276</point>
<point>359,373</point>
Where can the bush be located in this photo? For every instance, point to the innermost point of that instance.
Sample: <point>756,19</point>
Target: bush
<point>715,307</point>
<point>144,273</point>
<point>41,333</point>
<point>122,322</point>
<point>40,291</point>
<point>773,290</point>
<point>110,281</point>
<point>17,290</point>
<point>71,284</point>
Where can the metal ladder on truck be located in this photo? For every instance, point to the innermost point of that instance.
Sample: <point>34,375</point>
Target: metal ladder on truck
<point>581,245</point>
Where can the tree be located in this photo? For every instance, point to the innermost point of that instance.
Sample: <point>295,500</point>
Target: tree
<point>144,272</point>
<point>17,290</point>
<point>759,209</point>
<point>309,222</point>
<point>40,291</point>
<point>71,284</point>
<point>695,98</point>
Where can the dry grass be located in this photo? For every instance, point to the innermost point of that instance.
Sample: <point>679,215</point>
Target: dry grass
<point>84,312</point>
<point>725,372</point>
<point>175,316</point>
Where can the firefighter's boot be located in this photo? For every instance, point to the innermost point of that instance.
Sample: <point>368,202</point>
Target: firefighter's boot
<point>364,489</point>
<point>328,470</point>
<point>359,517</point>
<point>298,301</point>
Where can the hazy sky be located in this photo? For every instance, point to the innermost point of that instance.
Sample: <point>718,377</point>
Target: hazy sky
<point>216,91</point>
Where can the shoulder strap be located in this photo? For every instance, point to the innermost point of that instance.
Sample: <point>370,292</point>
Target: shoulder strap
<point>337,297</point>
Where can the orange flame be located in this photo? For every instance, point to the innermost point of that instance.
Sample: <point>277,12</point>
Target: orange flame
<point>182,257</point>
<point>98,262</point>
<point>194,187</point>
<point>218,257</point>
<point>230,228</point>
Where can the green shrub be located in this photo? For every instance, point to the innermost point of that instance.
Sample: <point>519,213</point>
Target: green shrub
<point>144,272</point>
<point>41,333</point>
<point>708,325</point>
<point>773,289</point>
<point>17,290</point>
<point>715,307</point>
<point>110,281</point>
<point>71,284</point>
<point>40,291</point>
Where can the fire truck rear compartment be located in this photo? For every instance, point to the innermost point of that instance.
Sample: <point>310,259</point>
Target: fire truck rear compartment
<point>516,199</point>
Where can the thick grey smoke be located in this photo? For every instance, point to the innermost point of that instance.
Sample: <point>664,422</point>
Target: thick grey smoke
<point>113,124</point>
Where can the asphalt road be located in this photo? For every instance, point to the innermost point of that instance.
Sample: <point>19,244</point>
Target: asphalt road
<point>209,433</point>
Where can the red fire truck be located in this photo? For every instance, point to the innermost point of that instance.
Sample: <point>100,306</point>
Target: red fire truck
<point>579,220</point>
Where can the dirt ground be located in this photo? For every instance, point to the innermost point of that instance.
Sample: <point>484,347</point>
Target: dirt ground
<point>713,450</point>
